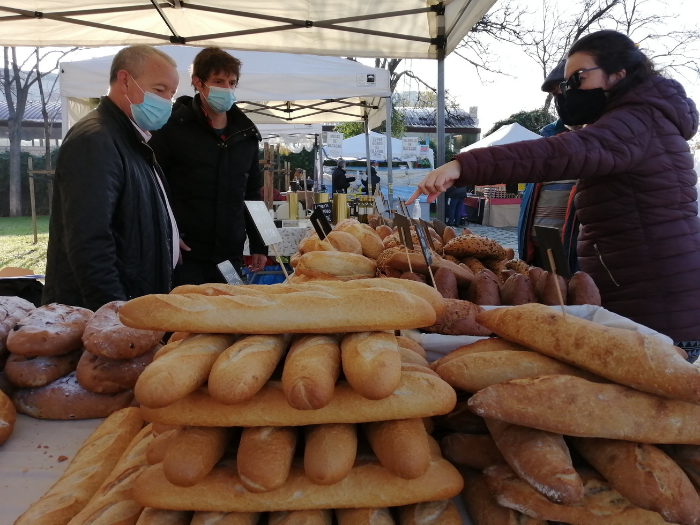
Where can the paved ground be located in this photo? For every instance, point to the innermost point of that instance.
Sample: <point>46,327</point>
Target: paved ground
<point>506,237</point>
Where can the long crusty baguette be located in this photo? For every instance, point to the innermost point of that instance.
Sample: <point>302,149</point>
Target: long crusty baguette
<point>181,371</point>
<point>301,517</point>
<point>401,446</point>
<point>225,518</point>
<point>369,239</point>
<point>242,369</point>
<point>368,485</point>
<point>441,512</point>
<point>326,311</point>
<point>113,502</point>
<point>575,407</point>
<point>462,419</point>
<point>411,357</point>
<point>688,458</point>
<point>477,451</point>
<point>540,458</point>
<point>474,372</point>
<point>371,363</point>
<point>601,505</point>
<point>482,506</point>
<point>164,517</point>
<point>155,453</point>
<point>193,452</point>
<point>311,369</point>
<point>265,456</point>
<point>91,465</point>
<point>491,344</point>
<point>644,475</point>
<point>421,393</point>
<point>364,517</point>
<point>340,265</point>
<point>410,344</point>
<point>329,452</point>
<point>640,361</point>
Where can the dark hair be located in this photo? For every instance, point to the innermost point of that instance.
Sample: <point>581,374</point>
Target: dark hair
<point>613,52</point>
<point>214,60</point>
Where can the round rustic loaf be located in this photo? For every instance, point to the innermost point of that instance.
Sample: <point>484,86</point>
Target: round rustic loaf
<point>109,376</point>
<point>28,372</point>
<point>53,329</point>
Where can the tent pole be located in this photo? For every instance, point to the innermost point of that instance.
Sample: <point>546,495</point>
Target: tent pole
<point>369,161</point>
<point>320,163</point>
<point>389,154</point>
<point>316,163</point>
<point>441,110</point>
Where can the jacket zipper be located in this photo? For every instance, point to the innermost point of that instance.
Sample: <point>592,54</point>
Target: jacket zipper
<point>237,133</point>
<point>597,251</point>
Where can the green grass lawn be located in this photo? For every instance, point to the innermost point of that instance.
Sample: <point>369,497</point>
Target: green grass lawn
<point>17,246</point>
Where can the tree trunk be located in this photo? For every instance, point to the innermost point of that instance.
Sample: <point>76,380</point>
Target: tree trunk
<point>15,132</point>
<point>44,114</point>
<point>548,102</point>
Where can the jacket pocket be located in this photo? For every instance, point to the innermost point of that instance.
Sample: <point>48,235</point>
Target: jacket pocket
<point>597,251</point>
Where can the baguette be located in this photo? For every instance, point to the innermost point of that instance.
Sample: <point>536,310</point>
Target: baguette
<point>225,518</point>
<point>192,454</point>
<point>364,517</point>
<point>311,369</point>
<point>411,357</point>
<point>476,451</point>
<point>461,419</point>
<point>164,517</point>
<point>540,458</point>
<point>410,344</point>
<point>550,402</point>
<point>459,319</point>
<point>644,475</point>
<point>368,485</point>
<point>265,456</point>
<point>441,512</point>
<point>401,446</point>
<point>113,502</point>
<point>339,265</point>
<point>8,417</point>
<point>371,363</point>
<point>90,466</point>
<point>329,452</point>
<point>301,517</point>
<point>181,371</point>
<point>474,372</point>
<point>601,505</point>
<point>482,506</point>
<point>369,239</point>
<point>155,453</point>
<point>159,428</point>
<point>640,361</point>
<point>491,344</point>
<point>242,369</point>
<point>688,458</point>
<point>326,311</point>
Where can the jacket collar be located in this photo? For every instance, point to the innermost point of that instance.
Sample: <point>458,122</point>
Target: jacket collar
<point>187,109</point>
<point>109,109</point>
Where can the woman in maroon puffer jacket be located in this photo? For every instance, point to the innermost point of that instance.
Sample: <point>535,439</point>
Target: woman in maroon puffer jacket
<point>636,193</point>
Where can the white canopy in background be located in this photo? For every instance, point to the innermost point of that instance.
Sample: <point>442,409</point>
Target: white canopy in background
<point>504,135</point>
<point>368,28</point>
<point>274,88</point>
<point>356,148</point>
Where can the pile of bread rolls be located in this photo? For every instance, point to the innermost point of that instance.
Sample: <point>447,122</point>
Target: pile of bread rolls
<point>64,362</point>
<point>295,421</point>
<point>567,421</point>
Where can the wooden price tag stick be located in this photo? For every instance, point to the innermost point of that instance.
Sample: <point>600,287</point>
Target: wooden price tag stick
<point>279,260</point>
<point>550,256</point>
<point>403,241</point>
<point>430,271</point>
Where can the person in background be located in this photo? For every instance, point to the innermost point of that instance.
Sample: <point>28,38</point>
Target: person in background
<point>112,235</point>
<point>340,181</point>
<point>456,196</point>
<point>549,204</point>
<point>209,154</point>
<point>375,180</point>
<point>636,193</point>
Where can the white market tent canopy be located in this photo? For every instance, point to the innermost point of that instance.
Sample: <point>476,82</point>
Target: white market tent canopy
<point>356,148</point>
<point>504,135</point>
<point>274,88</point>
<point>367,28</point>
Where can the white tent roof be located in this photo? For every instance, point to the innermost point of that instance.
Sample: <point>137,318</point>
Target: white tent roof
<point>274,87</point>
<point>504,135</point>
<point>369,28</point>
<point>356,148</point>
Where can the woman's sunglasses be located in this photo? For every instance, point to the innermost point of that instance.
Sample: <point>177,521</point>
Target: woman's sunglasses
<point>574,81</point>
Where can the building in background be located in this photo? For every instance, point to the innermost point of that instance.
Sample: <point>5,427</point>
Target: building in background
<point>32,127</point>
<point>461,127</point>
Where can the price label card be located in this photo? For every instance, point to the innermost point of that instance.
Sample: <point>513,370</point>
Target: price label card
<point>229,273</point>
<point>420,233</point>
<point>425,229</point>
<point>404,226</point>
<point>263,222</point>
<point>327,210</point>
<point>320,222</point>
<point>550,239</point>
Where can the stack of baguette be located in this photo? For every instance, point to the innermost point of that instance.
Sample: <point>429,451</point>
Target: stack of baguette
<point>627,405</point>
<point>325,408</point>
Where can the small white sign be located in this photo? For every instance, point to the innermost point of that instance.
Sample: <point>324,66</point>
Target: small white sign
<point>366,80</point>
<point>410,148</point>
<point>333,146</point>
<point>423,152</point>
<point>263,222</point>
<point>377,147</point>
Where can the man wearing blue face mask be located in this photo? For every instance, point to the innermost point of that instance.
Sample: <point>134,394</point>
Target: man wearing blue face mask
<point>209,154</point>
<point>112,234</point>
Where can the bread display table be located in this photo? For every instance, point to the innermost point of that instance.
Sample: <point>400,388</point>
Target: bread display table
<point>291,237</point>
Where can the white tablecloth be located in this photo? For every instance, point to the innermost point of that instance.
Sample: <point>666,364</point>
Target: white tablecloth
<point>290,240</point>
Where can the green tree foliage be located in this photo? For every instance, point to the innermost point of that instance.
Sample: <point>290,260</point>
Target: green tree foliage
<point>351,129</point>
<point>533,120</point>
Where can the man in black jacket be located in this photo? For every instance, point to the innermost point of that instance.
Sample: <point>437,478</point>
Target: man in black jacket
<point>111,234</point>
<point>340,181</point>
<point>209,153</point>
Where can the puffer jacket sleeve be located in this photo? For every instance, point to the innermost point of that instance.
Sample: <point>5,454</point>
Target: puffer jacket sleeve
<point>614,144</point>
<point>252,193</point>
<point>91,178</point>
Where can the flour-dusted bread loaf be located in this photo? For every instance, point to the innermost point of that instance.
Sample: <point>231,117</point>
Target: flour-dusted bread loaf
<point>53,329</point>
<point>28,372</point>
<point>364,517</point>
<point>644,475</point>
<point>94,461</point>
<point>66,399</point>
<point>8,416</point>
<point>311,368</point>
<point>106,336</point>
<point>12,311</point>
<point>640,361</point>
<point>109,376</point>
<point>401,446</point>
<point>575,407</point>
<point>265,456</point>
<point>440,512</point>
<point>329,452</point>
<point>476,451</point>
<point>192,453</point>
<point>371,363</point>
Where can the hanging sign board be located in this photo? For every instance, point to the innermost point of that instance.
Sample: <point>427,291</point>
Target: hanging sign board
<point>377,147</point>
<point>410,148</point>
<point>263,222</point>
<point>333,145</point>
<point>420,233</point>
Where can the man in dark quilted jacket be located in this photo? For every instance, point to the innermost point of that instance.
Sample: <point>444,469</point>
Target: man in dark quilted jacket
<point>636,192</point>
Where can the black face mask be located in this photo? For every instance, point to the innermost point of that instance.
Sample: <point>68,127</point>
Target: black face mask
<point>581,106</point>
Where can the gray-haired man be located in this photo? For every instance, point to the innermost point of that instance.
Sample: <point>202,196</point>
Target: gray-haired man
<point>112,235</point>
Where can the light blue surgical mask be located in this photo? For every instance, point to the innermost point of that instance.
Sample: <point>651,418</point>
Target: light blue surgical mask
<point>153,112</point>
<point>220,99</point>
